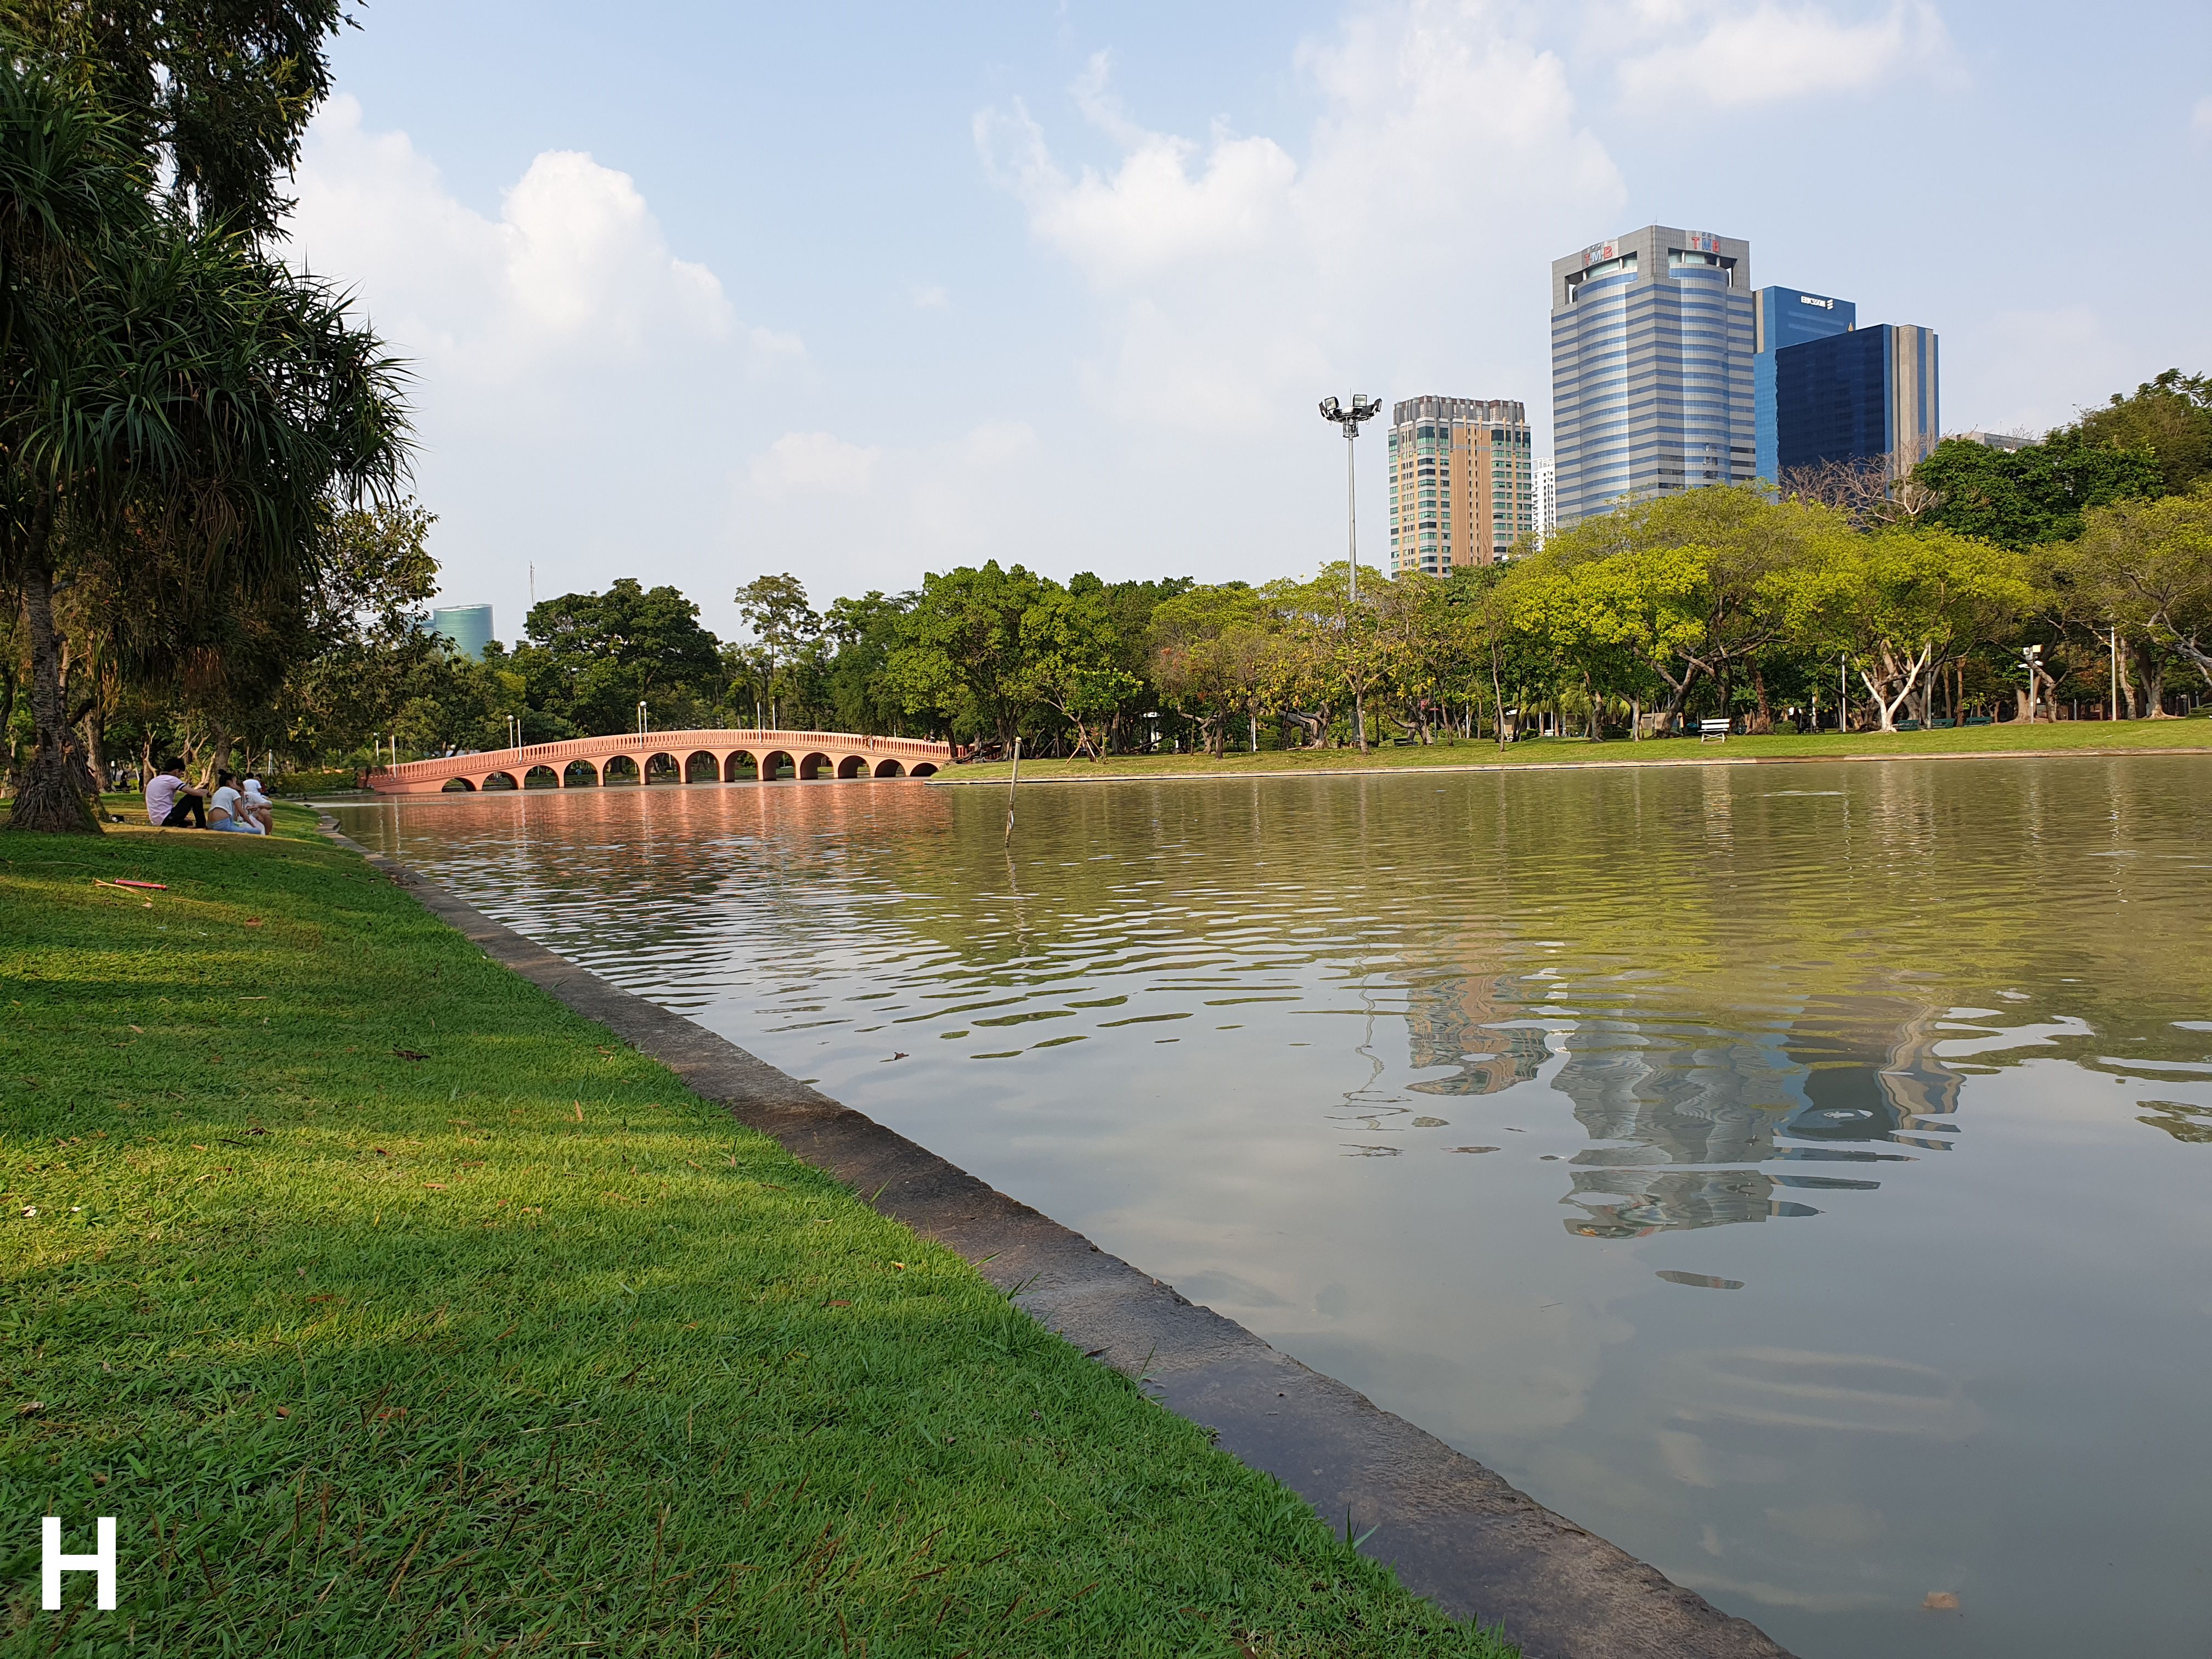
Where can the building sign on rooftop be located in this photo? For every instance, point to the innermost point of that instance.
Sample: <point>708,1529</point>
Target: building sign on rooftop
<point>1598,252</point>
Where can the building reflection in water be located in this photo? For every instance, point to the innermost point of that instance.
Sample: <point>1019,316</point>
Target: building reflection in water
<point>1831,1084</point>
<point>1690,1118</point>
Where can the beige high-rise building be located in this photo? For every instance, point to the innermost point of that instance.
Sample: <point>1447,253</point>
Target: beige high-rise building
<point>1462,482</point>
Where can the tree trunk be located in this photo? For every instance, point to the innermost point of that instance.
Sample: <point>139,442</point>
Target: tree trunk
<point>95,747</point>
<point>1762,720</point>
<point>2152,672</point>
<point>52,797</point>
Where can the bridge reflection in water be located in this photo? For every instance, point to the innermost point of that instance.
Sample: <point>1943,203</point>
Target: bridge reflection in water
<point>693,757</point>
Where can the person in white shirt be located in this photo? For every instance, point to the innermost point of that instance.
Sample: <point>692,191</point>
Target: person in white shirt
<point>227,807</point>
<point>169,804</point>
<point>259,807</point>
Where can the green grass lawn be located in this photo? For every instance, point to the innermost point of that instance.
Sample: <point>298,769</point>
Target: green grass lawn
<point>394,1309</point>
<point>2192,733</point>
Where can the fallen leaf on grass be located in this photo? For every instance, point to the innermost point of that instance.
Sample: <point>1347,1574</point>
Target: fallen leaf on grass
<point>838,1304</point>
<point>30,1408</point>
<point>409,1054</point>
<point>435,1186</point>
<point>253,921</point>
<point>283,1411</point>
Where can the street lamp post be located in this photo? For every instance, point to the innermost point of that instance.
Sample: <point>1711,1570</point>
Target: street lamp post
<point>2113,708</point>
<point>1361,408</point>
<point>641,717</point>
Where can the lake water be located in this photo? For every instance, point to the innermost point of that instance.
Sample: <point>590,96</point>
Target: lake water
<point>1797,1174</point>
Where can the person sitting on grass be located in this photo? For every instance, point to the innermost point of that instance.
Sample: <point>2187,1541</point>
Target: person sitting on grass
<point>227,809</point>
<point>259,807</point>
<point>169,804</point>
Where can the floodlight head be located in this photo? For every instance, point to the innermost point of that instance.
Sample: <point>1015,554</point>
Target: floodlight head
<point>1331,410</point>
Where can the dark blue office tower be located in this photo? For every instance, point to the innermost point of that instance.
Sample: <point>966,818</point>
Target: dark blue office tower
<point>1868,395</point>
<point>1786,317</point>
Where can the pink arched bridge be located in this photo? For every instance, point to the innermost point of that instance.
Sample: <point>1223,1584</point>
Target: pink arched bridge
<point>668,758</point>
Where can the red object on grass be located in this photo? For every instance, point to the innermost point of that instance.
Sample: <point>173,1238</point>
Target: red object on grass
<point>150,886</point>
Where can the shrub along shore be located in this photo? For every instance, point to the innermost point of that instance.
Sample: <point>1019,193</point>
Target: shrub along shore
<point>391,1307</point>
<point>2063,738</point>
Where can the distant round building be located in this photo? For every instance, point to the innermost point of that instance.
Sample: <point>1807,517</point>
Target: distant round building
<point>468,626</point>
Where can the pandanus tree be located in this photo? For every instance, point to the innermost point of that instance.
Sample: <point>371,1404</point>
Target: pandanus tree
<point>180,414</point>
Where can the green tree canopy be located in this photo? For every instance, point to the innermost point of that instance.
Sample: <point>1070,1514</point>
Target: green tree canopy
<point>2170,417</point>
<point>609,652</point>
<point>177,414</point>
<point>2018,498</point>
<point>960,659</point>
<point>2146,567</point>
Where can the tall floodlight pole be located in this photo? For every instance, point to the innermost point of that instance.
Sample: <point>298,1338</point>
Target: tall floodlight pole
<point>2113,708</point>
<point>1362,408</point>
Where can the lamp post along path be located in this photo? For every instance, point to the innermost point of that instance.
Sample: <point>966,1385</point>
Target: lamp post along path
<point>1361,408</point>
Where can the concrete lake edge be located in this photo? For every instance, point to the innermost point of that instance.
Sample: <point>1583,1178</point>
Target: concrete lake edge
<point>1454,1531</point>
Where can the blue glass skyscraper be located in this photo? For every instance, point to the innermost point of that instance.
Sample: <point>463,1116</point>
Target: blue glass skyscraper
<point>1786,317</point>
<point>1651,368</point>
<point>1870,395</point>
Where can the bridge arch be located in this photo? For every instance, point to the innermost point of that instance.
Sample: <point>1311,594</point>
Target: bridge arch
<point>631,756</point>
<point>460,785</point>
<point>700,766</point>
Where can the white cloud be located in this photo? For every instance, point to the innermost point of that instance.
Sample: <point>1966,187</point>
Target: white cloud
<point>930,297</point>
<point>573,376</point>
<point>1237,281</point>
<point>573,273</point>
<point>996,443</point>
<point>2200,120</point>
<point>816,463</point>
<point>1725,55</point>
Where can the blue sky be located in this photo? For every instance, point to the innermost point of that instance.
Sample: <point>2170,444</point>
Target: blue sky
<point>697,292</point>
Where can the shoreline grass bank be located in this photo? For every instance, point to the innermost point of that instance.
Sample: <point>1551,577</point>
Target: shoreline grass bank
<point>2189,735</point>
<point>392,1307</point>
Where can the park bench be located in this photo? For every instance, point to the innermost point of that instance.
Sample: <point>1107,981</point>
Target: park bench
<point>1941,725</point>
<point>1712,729</point>
<point>1979,719</point>
<point>1908,725</point>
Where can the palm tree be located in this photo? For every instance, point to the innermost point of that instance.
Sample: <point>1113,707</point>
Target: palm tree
<point>179,415</point>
